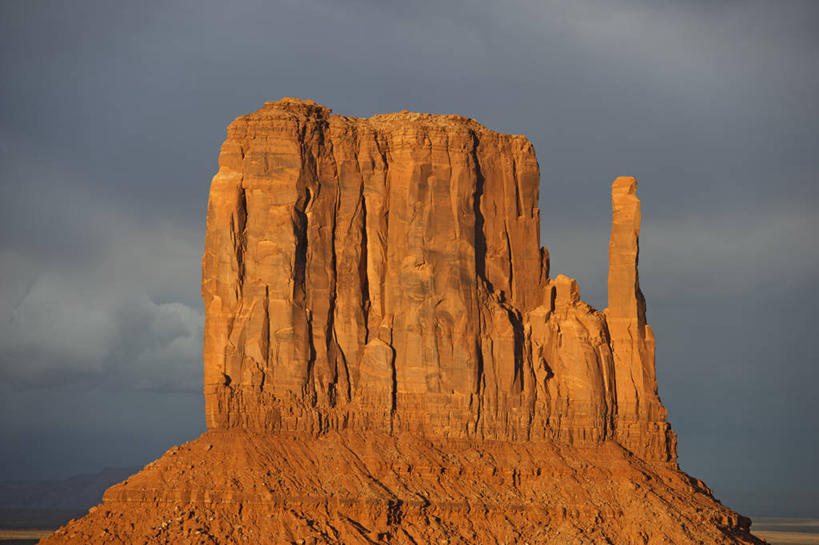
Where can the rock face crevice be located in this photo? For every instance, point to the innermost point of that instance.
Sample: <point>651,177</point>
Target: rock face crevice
<point>386,274</point>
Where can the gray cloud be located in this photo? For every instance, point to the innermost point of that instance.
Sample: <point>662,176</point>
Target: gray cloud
<point>58,333</point>
<point>733,253</point>
<point>97,295</point>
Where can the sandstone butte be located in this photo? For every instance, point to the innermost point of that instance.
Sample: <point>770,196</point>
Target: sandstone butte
<point>387,360</point>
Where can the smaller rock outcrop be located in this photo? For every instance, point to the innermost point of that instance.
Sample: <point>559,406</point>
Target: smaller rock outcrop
<point>640,422</point>
<point>570,342</point>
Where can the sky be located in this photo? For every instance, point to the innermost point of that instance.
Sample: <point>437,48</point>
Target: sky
<point>111,118</point>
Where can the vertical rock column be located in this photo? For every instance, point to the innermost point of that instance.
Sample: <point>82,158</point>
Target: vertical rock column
<point>573,361</point>
<point>640,418</point>
<point>370,273</point>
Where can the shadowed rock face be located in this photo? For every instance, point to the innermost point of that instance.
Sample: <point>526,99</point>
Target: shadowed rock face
<point>388,361</point>
<point>386,274</point>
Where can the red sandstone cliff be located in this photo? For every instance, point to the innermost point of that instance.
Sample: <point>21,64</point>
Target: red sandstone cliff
<point>386,274</point>
<point>388,361</point>
<point>371,274</point>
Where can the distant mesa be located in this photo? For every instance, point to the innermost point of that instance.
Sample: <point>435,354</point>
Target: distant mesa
<point>387,359</point>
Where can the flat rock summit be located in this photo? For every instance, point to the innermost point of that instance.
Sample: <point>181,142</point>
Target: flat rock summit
<point>387,360</point>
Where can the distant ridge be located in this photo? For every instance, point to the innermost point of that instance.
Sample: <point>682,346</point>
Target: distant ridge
<point>76,492</point>
<point>48,504</point>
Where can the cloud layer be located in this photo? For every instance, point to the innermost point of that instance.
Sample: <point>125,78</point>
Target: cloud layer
<point>96,295</point>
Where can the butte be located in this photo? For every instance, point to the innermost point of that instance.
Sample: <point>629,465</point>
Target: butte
<point>387,360</point>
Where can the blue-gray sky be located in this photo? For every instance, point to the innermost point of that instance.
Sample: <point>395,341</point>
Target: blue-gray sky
<point>111,117</point>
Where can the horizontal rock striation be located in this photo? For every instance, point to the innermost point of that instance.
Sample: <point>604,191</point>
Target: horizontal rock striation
<point>386,274</point>
<point>237,487</point>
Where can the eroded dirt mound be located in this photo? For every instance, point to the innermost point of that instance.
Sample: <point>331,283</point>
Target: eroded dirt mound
<point>241,487</point>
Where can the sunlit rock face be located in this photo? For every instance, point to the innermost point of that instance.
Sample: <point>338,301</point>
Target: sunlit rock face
<point>640,421</point>
<point>387,274</point>
<point>371,273</point>
<point>388,361</point>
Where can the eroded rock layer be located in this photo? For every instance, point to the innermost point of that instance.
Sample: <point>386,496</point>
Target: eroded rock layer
<point>388,361</point>
<point>346,488</point>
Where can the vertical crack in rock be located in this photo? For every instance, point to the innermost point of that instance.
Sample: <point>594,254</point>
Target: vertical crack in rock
<point>264,365</point>
<point>517,202</point>
<point>240,231</point>
<point>481,282</point>
<point>334,353</point>
<point>362,267</point>
<point>480,237</point>
<point>377,235</point>
<point>511,273</point>
<point>300,274</point>
<point>518,345</point>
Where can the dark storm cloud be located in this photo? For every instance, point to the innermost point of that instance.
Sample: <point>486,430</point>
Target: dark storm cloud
<point>112,114</point>
<point>101,299</point>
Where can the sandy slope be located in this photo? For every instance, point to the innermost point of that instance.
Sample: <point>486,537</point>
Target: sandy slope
<point>239,487</point>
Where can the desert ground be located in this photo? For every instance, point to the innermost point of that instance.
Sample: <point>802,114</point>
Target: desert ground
<point>787,531</point>
<point>777,531</point>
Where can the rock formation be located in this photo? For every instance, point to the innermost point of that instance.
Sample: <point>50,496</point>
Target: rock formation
<point>640,423</point>
<point>371,274</point>
<point>388,361</point>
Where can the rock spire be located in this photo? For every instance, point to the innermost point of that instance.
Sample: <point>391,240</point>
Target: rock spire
<point>640,422</point>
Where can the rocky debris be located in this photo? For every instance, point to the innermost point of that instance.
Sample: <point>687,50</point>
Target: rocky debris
<point>388,361</point>
<point>365,488</point>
